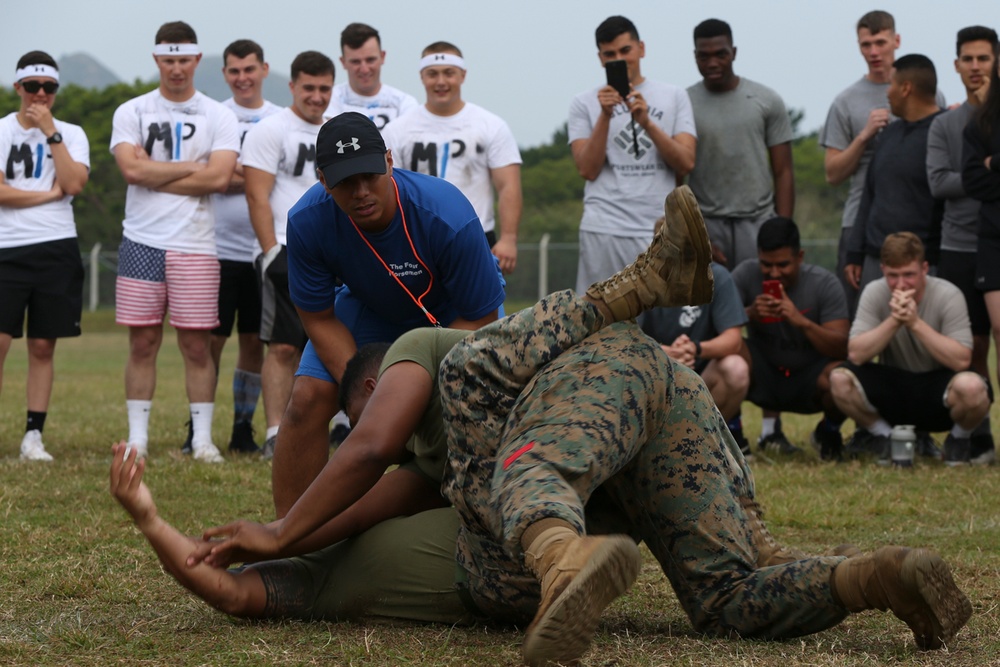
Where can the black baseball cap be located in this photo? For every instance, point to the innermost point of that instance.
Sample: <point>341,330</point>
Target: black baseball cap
<point>349,144</point>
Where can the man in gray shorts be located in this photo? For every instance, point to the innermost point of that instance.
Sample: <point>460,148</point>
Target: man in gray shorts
<point>743,167</point>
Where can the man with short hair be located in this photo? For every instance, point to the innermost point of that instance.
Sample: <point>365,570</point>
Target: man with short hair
<point>855,118</point>
<point>244,69</point>
<point>897,194</point>
<point>709,339</point>
<point>175,147</point>
<point>742,173</point>
<point>976,49</point>
<point>362,58</point>
<point>918,326</point>
<point>464,144</point>
<point>631,151</point>
<point>279,160</point>
<point>794,340</point>
<point>410,252</point>
<point>46,162</point>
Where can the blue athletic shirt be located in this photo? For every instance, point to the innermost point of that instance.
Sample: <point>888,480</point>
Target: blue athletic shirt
<point>323,245</point>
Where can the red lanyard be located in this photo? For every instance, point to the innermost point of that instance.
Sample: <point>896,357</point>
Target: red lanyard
<point>417,300</point>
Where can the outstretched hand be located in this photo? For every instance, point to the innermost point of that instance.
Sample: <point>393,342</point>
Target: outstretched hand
<point>127,486</point>
<point>242,541</point>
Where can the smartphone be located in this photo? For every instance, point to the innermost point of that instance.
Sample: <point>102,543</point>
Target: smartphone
<point>617,71</point>
<point>771,288</point>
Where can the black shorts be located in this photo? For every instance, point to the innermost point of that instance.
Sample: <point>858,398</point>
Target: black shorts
<point>904,397</point>
<point>239,292</point>
<point>46,280</point>
<point>279,321</point>
<point>959,268</point>
<point>988,264</point>
<point>780,389</point>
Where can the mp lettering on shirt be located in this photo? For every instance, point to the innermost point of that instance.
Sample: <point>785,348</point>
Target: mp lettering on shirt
<point>30,159</point>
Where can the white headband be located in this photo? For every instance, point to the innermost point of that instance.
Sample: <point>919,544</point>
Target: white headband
<point>186,49</point>
<point>36,70</point>
<point>442,59</point>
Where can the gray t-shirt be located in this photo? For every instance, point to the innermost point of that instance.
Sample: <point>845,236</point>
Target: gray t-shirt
<point>960,225</point>
<point>627,196</point>
<point>732,175</point>
<point>699,323</point>
<point>942,307</point>
<point>848,115</point>
<point>817,294</point>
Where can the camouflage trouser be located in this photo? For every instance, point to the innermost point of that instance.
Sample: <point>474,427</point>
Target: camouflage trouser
<point>545,406</point>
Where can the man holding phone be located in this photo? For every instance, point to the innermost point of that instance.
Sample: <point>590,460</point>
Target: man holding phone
<point>797,334</point>
<point>633,140</point>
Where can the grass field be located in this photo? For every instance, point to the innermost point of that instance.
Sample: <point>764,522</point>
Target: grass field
<point>79,585</point>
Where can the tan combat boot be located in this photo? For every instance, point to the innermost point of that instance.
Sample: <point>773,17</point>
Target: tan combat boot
<point>674,271</point>
<point>580,576</point>
<point>915,584</point>
<point>769,552</point>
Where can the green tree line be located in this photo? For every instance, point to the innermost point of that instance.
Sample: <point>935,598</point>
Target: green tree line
<point>553,191</point>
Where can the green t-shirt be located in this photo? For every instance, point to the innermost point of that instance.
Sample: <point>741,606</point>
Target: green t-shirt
<point>426,347</point>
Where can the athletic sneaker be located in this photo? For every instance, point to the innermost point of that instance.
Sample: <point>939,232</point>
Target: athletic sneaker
<point>139,447</point>
<point>186,447</point>
<point>32,448</point>
<point>983,451</point>
<point>830,444</point>
<point>777,443</point>
<point>957,450</point>
<point>865,443</point>
<point>207,453</point>
<point>267,452</point>
<point>579,579</point>
<point>242,441</point>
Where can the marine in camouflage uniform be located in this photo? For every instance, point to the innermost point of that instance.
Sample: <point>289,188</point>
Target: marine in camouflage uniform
<point>545,406</point>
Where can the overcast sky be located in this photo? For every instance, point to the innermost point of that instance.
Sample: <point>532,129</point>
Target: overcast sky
<point>526,58</point>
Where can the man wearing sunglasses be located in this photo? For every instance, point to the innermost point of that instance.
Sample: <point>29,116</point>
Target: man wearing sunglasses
<point>45,162</point>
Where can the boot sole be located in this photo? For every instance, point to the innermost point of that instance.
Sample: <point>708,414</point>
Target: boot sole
<point>932,579</point>
<point>563,632</point>
<point>701,289</point>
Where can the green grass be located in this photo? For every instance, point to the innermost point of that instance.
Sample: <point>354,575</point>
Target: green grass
<point>79,585</point>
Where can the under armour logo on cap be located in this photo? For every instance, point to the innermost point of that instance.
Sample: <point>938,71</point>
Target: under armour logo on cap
<point>347,145</point>
<point>353,143</point>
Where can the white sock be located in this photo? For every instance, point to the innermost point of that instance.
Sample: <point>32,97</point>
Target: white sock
<point>271,432</point>
<point>138,421</point>
<point>201,422</point>
<point>767,426</point>
<point>880,427</point>
<point>960,432</point>
<point>340,419</point>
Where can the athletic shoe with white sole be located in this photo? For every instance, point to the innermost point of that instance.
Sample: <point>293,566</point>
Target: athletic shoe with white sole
<point>207,453</point>
<point>32,448</point>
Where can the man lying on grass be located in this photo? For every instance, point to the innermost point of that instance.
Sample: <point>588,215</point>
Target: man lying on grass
<point>564,404</point>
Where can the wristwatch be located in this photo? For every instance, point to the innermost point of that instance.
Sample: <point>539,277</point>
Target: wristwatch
<point>56,138</point>
<point>697,349</point>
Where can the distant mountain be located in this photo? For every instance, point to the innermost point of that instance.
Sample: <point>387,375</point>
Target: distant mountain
<point>85,71</point>
<point>209,80</point>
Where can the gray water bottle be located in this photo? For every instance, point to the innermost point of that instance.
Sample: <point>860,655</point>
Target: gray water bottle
<point>903,444</point>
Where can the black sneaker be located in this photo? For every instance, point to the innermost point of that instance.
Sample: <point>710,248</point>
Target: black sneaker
<point>957,450</point>
<point>983,451</point>
<point>242,441</point>
<point>777,443</point>
<point>829,443</point>
<point>339,434</point>
<point>864,443</point>
<point>927,446</point>
<point>187,448</point>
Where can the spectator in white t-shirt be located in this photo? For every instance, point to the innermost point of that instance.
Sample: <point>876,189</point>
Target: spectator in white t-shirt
<point>175,147</point>
<point>464,144</point>
<point>45,162</point>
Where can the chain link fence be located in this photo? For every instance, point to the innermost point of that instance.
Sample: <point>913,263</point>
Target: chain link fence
<point>541,268</point>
